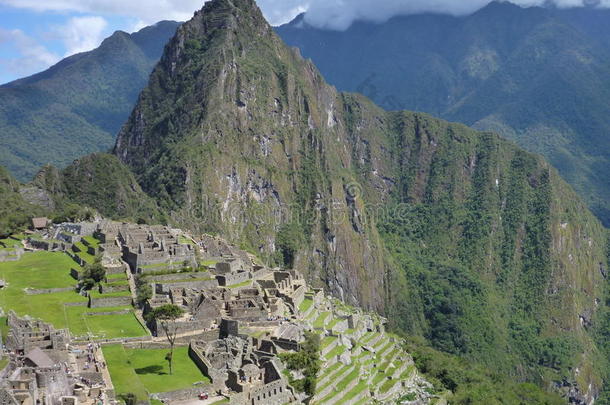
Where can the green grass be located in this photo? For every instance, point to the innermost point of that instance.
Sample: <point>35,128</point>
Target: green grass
<point>3,328</point>
<point>91,241</point>
<point>117,276</point>
<point>86,257</point>
<point>38,270</point>
<point>339,349</point>
<point>185,241</point>
<point>305,305</point>
<point>123,325</point>
<point>123,376</point>
<point>319,322</point>
<point>246,283</point>
<point>52,270</point>
<point>342,384</point>
<point>333,323</point>
<point>3,362</point>
<point>327,340</point>
<point>103,326</point>
<point>117,283</point>
<point>146,370</point>
<point>97,294</point>
<point>11,243</point>
<point>329,370</point>
<point>361,386</point>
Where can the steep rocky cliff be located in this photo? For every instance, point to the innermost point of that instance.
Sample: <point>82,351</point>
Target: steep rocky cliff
<point>459,236</point>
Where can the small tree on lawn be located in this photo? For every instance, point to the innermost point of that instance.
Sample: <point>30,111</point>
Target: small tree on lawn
<point>93,274</point>
<point>166,315</point>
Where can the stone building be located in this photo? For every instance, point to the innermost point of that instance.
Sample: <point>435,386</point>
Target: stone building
<point>26,334</point>
<point>237,368</point>
<point>148,248</point>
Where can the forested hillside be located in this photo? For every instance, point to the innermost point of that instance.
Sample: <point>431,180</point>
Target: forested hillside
<point>77,106</point>
<point>538,76</point>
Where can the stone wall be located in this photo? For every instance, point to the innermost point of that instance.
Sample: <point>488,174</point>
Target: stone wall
<point>183,394</point>
<point>106,289</point>
<point>109,302</point>
<point>340,326</point>
<point>172,276</point>
<point>298,296</point>
<point>47,245</point>
<point>233,278</point>
<point>11,255</point>
<point>197,285</point>
<point>32,291</point>
<point>274,393</point>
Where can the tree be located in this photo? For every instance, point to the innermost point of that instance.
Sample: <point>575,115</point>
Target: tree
<point>94,274</point>
<point>129,398</point>
<point>166,316</point>
<point>306,360</point>
<point>143,290</point>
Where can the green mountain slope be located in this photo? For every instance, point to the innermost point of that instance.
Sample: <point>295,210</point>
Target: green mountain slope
<point>77,106</point>
<point>100,181</point>
<point>538,76</point>
<point>15,211</point>
<point>458,236</point>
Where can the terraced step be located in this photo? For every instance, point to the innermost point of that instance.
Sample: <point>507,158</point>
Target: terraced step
<point>339,376</point>
<point>342,387</point>
<point>328,374</point>
<point>336,351</point>
<point>322,320</point>
<point>361,389</point>
<point>368,336</point>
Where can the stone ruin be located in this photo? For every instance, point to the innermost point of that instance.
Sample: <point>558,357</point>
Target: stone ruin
<point>238,367</point>
<point>25,334</point>
<point>43,369</point>
<point>148,248</point>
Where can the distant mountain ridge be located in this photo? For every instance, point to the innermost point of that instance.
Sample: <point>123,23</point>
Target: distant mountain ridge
<point>538,76</point>
<point>78,105</point>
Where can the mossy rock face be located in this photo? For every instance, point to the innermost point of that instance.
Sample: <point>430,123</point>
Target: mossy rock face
<point>456,235</point>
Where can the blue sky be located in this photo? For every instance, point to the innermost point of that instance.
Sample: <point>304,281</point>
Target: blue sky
<point>35,34</point>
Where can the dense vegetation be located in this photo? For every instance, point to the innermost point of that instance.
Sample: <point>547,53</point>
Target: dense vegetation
<point>306,361</point>
<point>538,76</point>
<point>15,212</point>
<point>100,181</point>
<point>472,384</point>
<point>77,106</point>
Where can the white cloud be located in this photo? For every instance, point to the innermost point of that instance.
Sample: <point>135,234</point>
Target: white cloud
<point>82,34</point>
<point>149,12</point>
<point>32,56</point>
<point>152,11</point>
<point>339,14</point>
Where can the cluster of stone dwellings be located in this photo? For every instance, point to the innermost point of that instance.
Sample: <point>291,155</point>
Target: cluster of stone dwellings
<point>234,293</point>
<point>41,368</point>
<point>241,368</point>
<point>148,248</point>
<point>255,296</point>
